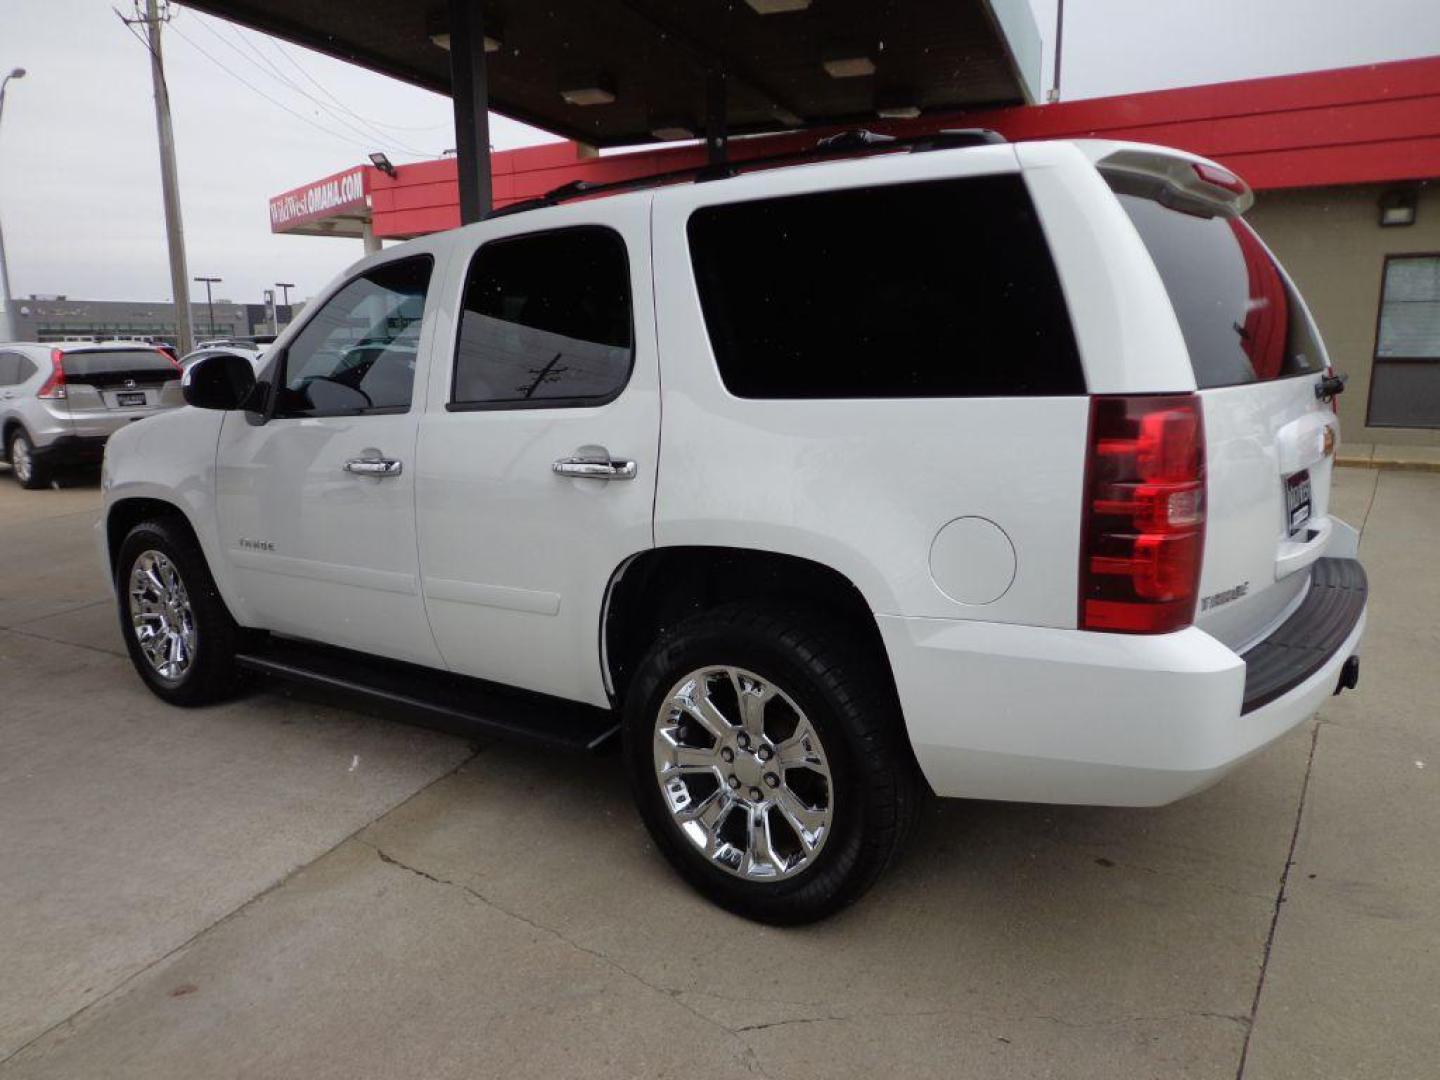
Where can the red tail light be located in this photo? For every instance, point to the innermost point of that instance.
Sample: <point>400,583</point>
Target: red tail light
<point>1144,530</point>
<point>54,387</point>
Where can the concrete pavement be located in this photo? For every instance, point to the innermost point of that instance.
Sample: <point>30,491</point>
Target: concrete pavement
<point>277,888</point>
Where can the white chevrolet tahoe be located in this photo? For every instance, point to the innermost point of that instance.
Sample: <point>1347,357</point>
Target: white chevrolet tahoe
<point>998,470</point>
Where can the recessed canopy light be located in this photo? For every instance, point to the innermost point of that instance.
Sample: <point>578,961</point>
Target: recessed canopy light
<point>898,112</point>
<point>671,132</point>
<point>786,117</point>
<point>849,67</point>
<point>777,7</point>
<point>597,93</point>
<point>442,39</point>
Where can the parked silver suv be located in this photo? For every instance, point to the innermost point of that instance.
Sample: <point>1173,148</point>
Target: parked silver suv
<point>60,403</point>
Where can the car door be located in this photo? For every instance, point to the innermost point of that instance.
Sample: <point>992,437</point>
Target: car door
<point>316,502</point>
<point>538,449</point>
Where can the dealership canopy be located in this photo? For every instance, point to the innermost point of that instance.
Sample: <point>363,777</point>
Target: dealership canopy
<point>623,72</point>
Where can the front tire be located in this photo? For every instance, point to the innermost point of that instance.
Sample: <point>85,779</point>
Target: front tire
<point>767,759</point>
<point>179,634</point>
<point>30,473</point>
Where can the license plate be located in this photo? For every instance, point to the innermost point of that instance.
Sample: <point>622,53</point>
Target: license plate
<point>136,397</point>
<point>1297,500</point>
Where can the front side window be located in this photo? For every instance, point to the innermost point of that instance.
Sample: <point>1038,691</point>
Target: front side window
<point>358,354</point>
<point>1405,383</point>
<point>943,288</point>
<point>545,322</point>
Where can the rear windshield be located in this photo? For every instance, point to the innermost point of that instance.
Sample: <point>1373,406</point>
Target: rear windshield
<point>1241,320</point>
<point>100,363</point>
<point>936,289</point>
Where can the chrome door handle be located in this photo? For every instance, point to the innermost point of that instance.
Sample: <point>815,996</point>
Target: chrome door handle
<point>374,466</point>
<point>595,468</point>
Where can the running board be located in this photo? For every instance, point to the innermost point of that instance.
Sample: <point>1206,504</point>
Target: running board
<point>437,699</point>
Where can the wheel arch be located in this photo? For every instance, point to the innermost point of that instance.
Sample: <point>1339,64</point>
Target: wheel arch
<point>124,514</point>
<point>658,587</point>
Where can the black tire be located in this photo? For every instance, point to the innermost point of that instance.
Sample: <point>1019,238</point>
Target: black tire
<point>211,674</point>
<point>849,702</point>
<point>38,474</point>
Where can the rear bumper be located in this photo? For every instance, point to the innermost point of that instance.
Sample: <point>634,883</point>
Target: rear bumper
<point>1066,716</point>
<point>73,450</point>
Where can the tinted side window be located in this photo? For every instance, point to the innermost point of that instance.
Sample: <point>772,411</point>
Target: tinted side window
<point>546,321</point>
<point>358,353</point>
<point>936,289</point>
<point>26,368</point>
<point>9,369</point>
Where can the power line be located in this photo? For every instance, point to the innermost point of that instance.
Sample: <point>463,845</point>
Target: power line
<point>368,135</point>
<point>255,89</point>
<point>279,47</point>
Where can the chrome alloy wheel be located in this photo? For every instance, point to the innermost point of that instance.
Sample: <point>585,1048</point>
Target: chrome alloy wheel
<point>743,773</point>
<point>21,461</point>
<point>160,615</point>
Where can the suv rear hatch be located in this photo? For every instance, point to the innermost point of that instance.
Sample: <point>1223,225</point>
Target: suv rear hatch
<point>102,380</point>
<point>1258,362</point>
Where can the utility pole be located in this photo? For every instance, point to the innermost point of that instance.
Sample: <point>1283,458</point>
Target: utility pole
<point>8,330</point>
<point>170,184</point>
<point>209,300</point>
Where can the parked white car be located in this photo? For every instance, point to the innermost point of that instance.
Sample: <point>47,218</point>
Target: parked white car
<point>1001,470</point>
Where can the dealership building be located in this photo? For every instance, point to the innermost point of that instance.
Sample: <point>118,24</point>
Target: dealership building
<point>1344,165</point>
<point>59,318</point>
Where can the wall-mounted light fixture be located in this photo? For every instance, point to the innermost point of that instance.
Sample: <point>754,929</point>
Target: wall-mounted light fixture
<point>381,162</point>
<point>1398,207</point>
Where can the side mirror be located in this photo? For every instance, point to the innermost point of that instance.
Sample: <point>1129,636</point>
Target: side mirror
<point>223,381</point>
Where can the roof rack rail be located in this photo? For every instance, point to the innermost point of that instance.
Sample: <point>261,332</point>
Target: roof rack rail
<point>853,141</point>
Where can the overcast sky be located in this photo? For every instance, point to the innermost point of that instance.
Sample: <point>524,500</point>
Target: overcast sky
<point>80,175</point>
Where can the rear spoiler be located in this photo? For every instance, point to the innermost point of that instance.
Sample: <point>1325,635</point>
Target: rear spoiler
<point>1172,177</point>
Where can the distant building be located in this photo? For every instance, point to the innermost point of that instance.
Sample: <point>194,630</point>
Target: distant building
<point>59,318</point>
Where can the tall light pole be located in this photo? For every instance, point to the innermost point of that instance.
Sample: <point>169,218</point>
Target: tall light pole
<point>209,300</point>
<point>285,287</point>
<point>7,321</point>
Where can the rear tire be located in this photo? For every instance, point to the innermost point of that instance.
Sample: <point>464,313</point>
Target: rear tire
<point>812,835</point>
<point>30,473</point>
<point>180,636</point>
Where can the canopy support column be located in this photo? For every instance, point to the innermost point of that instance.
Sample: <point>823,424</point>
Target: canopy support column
<point>470,92</point>
<point>717,143</point>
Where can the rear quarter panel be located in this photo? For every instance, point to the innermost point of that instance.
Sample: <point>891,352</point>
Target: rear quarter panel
<point>862,486</point>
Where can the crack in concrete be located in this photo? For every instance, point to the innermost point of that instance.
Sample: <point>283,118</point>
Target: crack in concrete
<point>284,879</point>
<point>1280,895</point>
<point>1111,1021</point>
<point>747,1056</point>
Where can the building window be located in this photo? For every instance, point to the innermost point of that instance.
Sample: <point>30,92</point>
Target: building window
<point>1405,383</point>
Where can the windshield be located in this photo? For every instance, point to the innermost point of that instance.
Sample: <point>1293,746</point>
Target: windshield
<point>1241,319</point>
